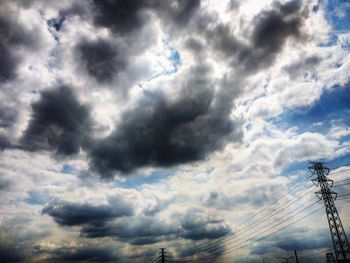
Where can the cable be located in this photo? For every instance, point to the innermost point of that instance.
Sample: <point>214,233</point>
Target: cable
<point>345,180</point>
<point>259,239</point>
<point>225,235</point>
<point>279,223</point>
<point>317,253</point>
<point>207,244</point>
<point>337,185</point>
<point>261,220</point>
<point>216,254</point>
<point>339,171</point>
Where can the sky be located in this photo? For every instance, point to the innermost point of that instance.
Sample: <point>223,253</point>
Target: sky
<point>129,126</point>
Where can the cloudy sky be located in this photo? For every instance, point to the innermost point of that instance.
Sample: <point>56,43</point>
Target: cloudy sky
<point>127,126</point>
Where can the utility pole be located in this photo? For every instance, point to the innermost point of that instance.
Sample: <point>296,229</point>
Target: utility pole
<point>162,255</point>
<point>329,257</point>
<point>296,256</point>
<point>340,241</point>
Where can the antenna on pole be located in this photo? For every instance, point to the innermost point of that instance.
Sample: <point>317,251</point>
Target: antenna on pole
<point>340,241</point>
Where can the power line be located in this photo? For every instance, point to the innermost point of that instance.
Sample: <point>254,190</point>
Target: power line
<point>208,246</point>
<point>256,239</point>
<point>337,185</point>
<point>253,230</point>
<point>266,236</point>
<point>316,253</point>
<point>227,235</point>
<point>218,243</point>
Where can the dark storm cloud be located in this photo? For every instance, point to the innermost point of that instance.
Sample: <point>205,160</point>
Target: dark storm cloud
<point>86,253</point>
<point>8,62</point>
<point>11,253</point>
<point>89,254</point>
<point>100,59</point>
<point>117,220</point>
<point>59,122</point>
<point>163,132</point>
<point>4,143</point>
<point>271,29</point>
<point>121,16</point>
<point>70,214</point>
<point>126,16</point>
<point>137,230</point>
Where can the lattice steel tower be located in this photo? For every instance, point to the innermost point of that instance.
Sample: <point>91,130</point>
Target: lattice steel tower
<point>340,241</point>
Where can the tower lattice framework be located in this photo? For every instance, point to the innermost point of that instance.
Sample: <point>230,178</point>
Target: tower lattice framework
<point>340,241</point>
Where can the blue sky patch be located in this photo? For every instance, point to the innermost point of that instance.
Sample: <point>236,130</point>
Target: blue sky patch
<point>338,14</point>
<point>302,166</point>
<point>175,58</point>
<point>36,198</point>
<point>56,23</point>
<point>69,169</point>
<point>333,106</point>
<point>154,177</point>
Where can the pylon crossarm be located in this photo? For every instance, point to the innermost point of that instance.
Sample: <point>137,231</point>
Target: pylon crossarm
<point>319,195</point>
<point>315,182</point>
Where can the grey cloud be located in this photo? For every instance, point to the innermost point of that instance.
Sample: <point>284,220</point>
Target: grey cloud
<point>59,122</point>
<point>256,196</point>
<point>301,244</point>
<point>160,205</point>
<point>179,11</point>
<point>4,184</point>
<point>70,214</point>
<point>233,5</point>
<point>12,36</point>
<point>160,132</point>
<point>102,60</point>
<point>8,116</point>
<point>297,69</point>
<point>197,226</point>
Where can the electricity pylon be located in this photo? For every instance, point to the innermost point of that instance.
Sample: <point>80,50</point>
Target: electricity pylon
<point>340,241</point>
